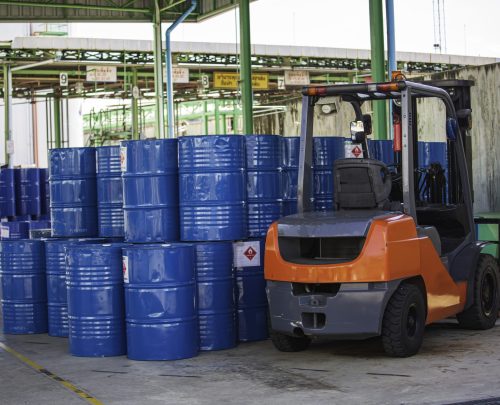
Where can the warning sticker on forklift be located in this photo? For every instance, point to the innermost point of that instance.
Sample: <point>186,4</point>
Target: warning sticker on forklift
<point>123,158</point>
<point>125,269</point>
<point>246,254</point>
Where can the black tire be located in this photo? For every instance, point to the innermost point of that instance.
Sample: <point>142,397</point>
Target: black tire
<point>404,322</point>
<point>286,343</point>
<point>483,312</point>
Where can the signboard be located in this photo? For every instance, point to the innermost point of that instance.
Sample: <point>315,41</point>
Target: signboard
<point>205,81</point>
<point>353,150</point>
<point>296,78</point>
<point>63,79</point>
<point>101,74</point>
<point>281,82</point>
<point>229,80</point>
<point>246,254</point>
<point>10,147</point>
<point>180,75</point>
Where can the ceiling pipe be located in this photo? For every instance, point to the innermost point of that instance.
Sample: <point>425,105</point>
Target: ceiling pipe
<point>168,62</point>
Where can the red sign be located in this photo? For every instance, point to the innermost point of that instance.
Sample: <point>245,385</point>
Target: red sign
<point>357,151</point>
<point>250,253</point>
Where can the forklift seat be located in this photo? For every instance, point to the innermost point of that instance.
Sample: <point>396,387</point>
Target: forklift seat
<point>361,183</point>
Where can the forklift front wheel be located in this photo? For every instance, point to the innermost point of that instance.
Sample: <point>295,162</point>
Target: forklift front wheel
<point>483,312</point>
<point>286,343</point>
<point>404,322</point>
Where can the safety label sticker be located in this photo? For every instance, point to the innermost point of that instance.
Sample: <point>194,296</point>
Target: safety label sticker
<point>123,158</point>
<point>246,254</point>
<point>125,269</point>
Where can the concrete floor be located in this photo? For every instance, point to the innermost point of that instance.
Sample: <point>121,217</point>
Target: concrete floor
<point>453,366</point>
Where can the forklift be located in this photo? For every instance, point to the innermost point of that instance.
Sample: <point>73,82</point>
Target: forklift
<point>389,260</point>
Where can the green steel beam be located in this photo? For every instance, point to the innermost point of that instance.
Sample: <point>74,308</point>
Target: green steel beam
<point>246,67</point>
<point>74,6</point>
<point>378,66</point>
<point>57,122</point>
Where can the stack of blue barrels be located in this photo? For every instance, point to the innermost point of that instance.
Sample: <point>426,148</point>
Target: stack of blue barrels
<point>160,288</point>
<point>291,147</point>
<point>213,213</point>
<point>28,192</point>
<point>326,149</point>
<point>264,182</point>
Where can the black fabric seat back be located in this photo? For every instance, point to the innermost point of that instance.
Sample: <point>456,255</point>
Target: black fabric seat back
<point>361,183</point>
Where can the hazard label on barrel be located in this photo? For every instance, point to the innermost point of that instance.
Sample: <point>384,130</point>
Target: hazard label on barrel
<point>353,150</point>
<point>125,269</point>
<point>123,158</point>
<point>246,254</point>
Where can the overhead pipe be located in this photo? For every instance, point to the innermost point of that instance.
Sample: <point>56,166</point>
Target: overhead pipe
<point>168,63</point>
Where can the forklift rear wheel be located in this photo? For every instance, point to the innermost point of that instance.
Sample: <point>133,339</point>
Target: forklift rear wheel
<point>404,322</point>
<point>483,312</point>
<point>286,343</point>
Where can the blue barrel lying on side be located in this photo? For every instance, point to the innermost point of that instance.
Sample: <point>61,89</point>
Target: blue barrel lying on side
<point>109,192</point>
<point>212,187</point>
<point>28,191</point>
<point>73,197</point>
<point>7,193</point>
<point>290,148</point>
<point>14,230</point>
<point>216,301</point>
<point>94,281</point>
<point>150,190</point>
<point>326,149</point>
<point>264,182</point>
<point>160,300</point>
<point>24,293</point>
<point>251,299</point>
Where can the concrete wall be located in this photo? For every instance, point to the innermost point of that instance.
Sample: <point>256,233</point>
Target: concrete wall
<point>485,133</point>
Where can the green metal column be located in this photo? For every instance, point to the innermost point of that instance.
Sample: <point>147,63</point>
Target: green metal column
<point>57,122</point>
<point>158,72</point>
<point>246,67</point>
<point>135,107</point>
<point>378,68</point>
<point>6,110</point>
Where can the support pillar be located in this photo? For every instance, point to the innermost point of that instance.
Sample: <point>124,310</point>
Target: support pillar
<point>246,67</point>
<point>57,122</point>
<point>378,68</point>
<point>135,107</point>
<point>158,72</point>
<point>7,110</point>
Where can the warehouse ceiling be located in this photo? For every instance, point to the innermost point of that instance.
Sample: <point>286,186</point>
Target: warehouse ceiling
<point>108,10</point>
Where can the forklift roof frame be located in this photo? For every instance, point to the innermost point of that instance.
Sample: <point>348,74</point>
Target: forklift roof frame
<point>406,91</point>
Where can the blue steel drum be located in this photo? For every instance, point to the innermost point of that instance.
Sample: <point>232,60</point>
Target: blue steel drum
<point>94,282</point>
<point>109,192</point>
<point>216,300</point>
<point>150,190</point>
<point>57,299</point>
<point>27,191</point>
<point>381,150</point>
<point>264,182</point>
<point>291,147</point>
<point>24,293</point>
<point>160,301</point>
<point>39,224</point>
<point>73,204</point>
<point>44,191</point>
<point>14,230</point>
<point>432,152</point>
<point>326,149</point>
<point>212,187</point>
<point>7,193</point>
<point>251,299</point>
